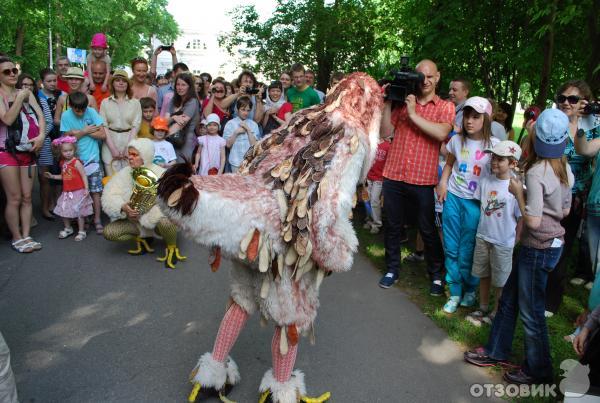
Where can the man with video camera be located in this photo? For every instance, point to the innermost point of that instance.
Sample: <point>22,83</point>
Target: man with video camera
<point>419,124</point>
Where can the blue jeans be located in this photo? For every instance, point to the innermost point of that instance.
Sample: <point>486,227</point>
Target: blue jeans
<point>460,217</point>
<point>525,293</point>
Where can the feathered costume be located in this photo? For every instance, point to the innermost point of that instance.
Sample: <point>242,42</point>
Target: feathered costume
<point>118,191</point>
<point>284,220</point>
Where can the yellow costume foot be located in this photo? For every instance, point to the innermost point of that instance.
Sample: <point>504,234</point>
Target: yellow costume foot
<point>171,256</point>
<point>142,246</point>
<point>265,397</point>
<point>204,393</point>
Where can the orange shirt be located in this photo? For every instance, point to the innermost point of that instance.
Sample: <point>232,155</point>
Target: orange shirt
<point>99,95</point>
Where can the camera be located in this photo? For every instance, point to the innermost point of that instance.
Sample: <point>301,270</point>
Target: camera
<point>405,82</point>
<point>531,113</point>
<point>251,91</point>
<point>593,108</point>
<point>166,47</point>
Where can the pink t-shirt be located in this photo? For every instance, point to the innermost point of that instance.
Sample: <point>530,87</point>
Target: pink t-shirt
<point>210,156</point>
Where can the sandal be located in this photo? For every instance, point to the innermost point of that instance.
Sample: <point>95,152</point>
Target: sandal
<point>81,235</point>
<point>33,243</point>
<point>99,228</point>
<point>65,233</point>
<point>22,246</point>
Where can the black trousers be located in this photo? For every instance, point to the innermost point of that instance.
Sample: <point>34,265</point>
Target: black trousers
<point>557,278</point>
<point>400,198</point>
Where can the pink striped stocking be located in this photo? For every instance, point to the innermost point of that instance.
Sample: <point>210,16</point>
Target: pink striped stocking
<point>232,324</point>
<point>283,365</point>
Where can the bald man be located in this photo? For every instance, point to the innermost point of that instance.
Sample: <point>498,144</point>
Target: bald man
<point>411,172</point>
<point>98,76</point>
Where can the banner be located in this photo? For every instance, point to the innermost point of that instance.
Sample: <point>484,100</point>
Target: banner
<point>77,55</point>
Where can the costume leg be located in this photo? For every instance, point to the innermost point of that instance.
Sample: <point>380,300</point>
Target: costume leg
<point>215,370</point>
<point>168,231</point>
<point>121,231</point>
<point>282,384</point>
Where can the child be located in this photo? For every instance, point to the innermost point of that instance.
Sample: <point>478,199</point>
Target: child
<point>164,153</point>
<point>148,110</point>
<point>374,183</point>
<point>496,232</point>
<point>240,133</point>
<point>98,52</point>
<point>466,164</point>
<point>548,179</point>
<point>86,125</point>
<point>75,200</point>
<point>210,157</point>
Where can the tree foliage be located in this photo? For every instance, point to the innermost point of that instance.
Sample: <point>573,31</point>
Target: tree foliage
<point>129,25</point>
<point>510,49</point>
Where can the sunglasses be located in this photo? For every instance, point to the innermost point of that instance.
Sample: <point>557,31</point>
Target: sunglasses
<point>217,91</point>
<point>573,99</point>
<point>7,72</point>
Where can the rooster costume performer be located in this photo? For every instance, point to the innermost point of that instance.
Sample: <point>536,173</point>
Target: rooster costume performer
<point>133,189</point>
<point>284,220</point>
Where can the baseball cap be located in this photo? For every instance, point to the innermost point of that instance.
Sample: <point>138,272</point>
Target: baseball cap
<point>160,123</point>
<point>213,118</point>
<point>506,148</point>
<point>551,132</point>
<point>480,105</point>
<point>74,72</point>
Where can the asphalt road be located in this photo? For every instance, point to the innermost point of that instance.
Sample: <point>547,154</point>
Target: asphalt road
<point>88,323</point>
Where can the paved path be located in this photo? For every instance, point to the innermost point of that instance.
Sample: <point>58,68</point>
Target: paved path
<point>88,323</point>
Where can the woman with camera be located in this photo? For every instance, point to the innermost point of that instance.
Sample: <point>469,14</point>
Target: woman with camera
<point>568,99</point>
<point>22,134</point>
<point>247,87</point>
<point>215,102</point>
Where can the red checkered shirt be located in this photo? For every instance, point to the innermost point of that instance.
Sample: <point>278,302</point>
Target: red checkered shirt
<point>413,157</point>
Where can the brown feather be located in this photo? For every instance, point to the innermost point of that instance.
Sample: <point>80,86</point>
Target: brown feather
<point>252,251</point>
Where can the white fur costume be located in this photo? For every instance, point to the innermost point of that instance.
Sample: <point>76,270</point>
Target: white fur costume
<point>285,218</point>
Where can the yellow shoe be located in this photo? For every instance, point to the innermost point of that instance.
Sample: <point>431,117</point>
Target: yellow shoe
<point>142,246</point>
<point>171,256</point>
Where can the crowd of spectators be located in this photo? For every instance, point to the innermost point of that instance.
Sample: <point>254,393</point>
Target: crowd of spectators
<point>450,167</point>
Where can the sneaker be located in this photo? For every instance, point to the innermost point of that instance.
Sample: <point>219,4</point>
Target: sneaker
<point>367,225</point>
<point>548,314</point>
<point>589,285</point>
<point>577,281</point>
<point>476,318</point>
<point>488,319</point>
<point>519,377</point>
<point>374,230</point>
<point>415,257</point>
<point>388,280</point>
<point>479,357</point>
<point>468,299</point>
<point>452,305</point>
<point>436,289</point>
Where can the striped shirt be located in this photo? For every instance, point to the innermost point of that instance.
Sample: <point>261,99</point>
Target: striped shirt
<point>413,156</point>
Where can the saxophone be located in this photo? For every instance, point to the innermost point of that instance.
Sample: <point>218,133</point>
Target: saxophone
<point>145,183</point>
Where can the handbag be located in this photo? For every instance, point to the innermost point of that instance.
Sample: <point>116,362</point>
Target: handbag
<point>177,136</point>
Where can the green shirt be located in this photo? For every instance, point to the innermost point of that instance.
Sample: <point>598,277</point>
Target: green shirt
<point>302,99</point>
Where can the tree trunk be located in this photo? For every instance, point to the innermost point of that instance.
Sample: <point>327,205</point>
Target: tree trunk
<point>19,40</point>
<point>548,49</point>
<point>593,67</point>
<point>323,53</point>
<point>515,86</point>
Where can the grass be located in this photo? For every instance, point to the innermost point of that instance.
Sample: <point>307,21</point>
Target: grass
<point>414,282</point>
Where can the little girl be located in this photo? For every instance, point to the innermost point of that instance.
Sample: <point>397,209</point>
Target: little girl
<point>210,157</point>
<point>75,200</point>
<point>465,165</point>
<point>98,53</point>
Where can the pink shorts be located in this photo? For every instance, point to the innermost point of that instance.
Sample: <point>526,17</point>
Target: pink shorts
<point>16,160</point>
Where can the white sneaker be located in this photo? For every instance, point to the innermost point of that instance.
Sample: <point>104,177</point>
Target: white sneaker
<point>367,225</point>
<point>589,285</point>
<point>374,230</point>
<point>548,314</point>
<point>577,281</point>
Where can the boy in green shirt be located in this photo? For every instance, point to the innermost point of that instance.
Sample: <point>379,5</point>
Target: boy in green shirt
<point>301,95</point>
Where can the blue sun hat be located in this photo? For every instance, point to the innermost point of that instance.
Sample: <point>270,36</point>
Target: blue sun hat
<point>551,132</point>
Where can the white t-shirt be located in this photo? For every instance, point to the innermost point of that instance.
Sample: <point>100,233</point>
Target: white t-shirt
<point>470,166</point>
<point>210,156</point>
<point>499,131</point>
<point>499,212</point>
<point>242,143</point>
<point>163,152</point>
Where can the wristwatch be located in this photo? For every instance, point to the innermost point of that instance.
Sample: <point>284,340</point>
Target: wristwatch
<point>580,133</point>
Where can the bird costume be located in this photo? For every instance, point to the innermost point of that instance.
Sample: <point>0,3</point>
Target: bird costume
<point>284,222</point>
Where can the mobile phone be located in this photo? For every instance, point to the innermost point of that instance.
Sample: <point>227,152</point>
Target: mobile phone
<point>166,47</point>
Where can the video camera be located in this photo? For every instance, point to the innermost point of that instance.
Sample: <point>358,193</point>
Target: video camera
<point>405,82</point>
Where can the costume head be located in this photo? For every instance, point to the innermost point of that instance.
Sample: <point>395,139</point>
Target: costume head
<point>146,149</point>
